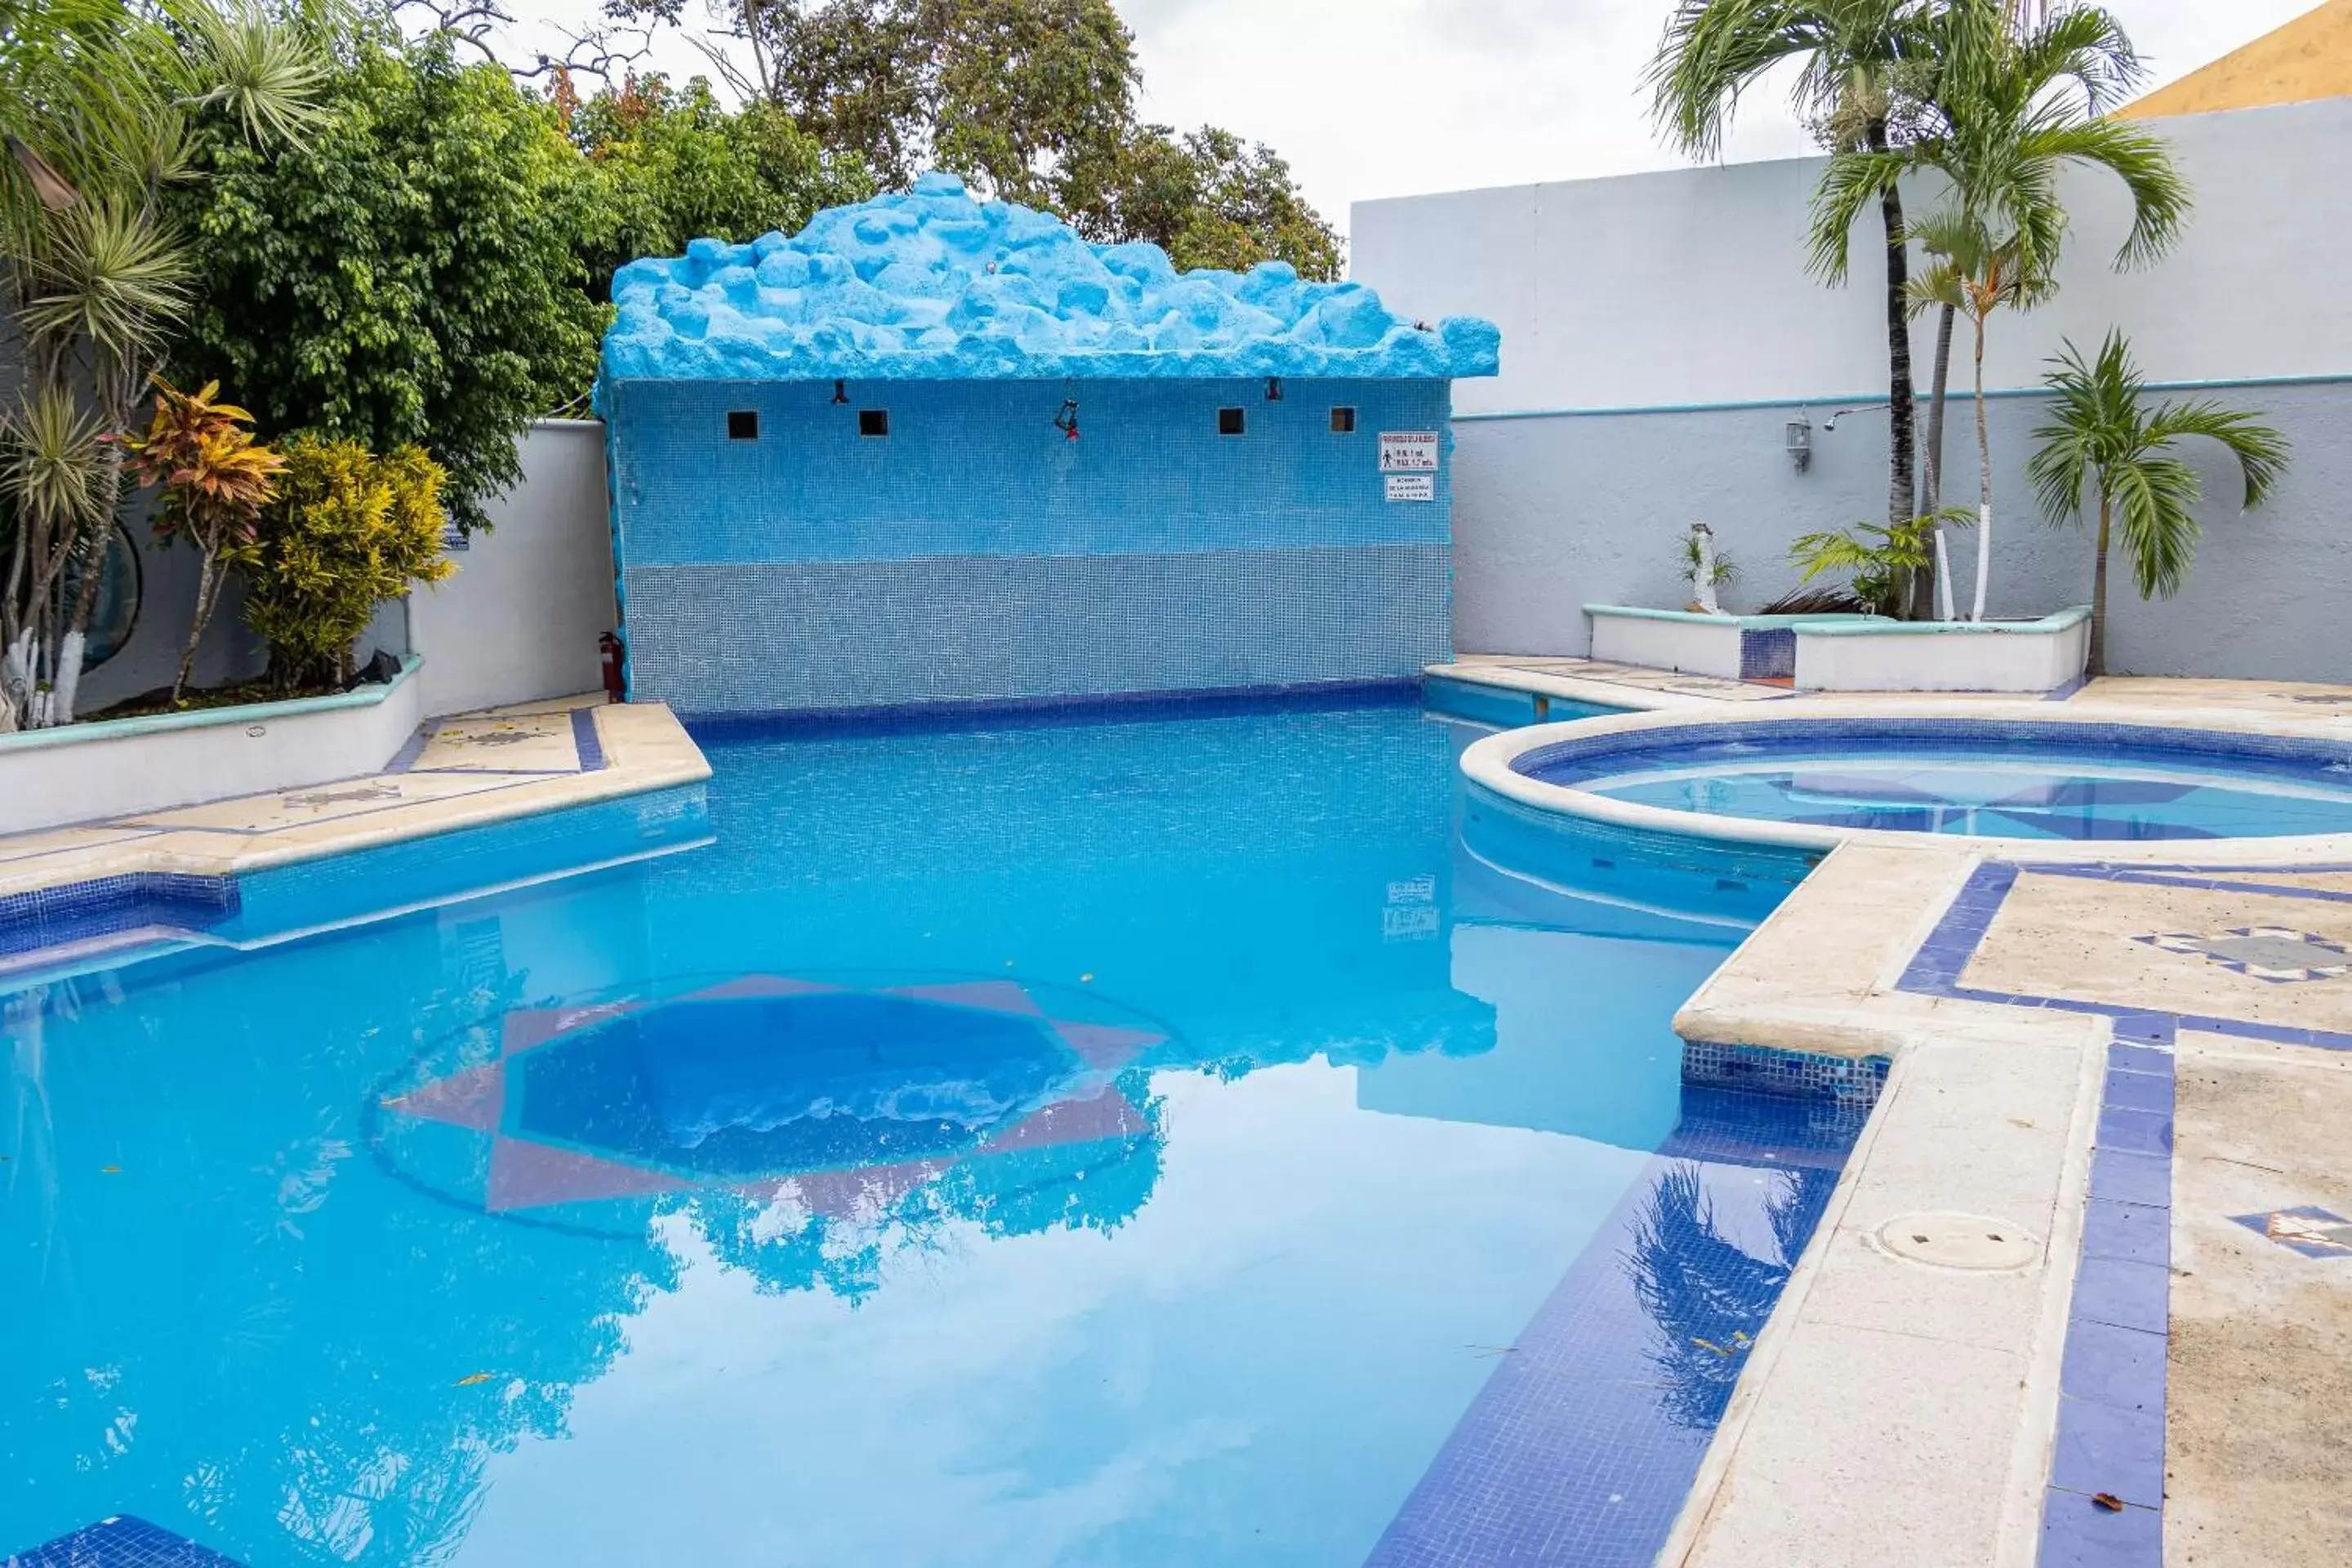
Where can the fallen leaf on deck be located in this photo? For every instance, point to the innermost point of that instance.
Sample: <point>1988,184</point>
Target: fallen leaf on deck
<point>2108,1501</point>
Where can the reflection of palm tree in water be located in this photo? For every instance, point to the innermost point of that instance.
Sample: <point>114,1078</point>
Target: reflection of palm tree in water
<point>1707,1297</point>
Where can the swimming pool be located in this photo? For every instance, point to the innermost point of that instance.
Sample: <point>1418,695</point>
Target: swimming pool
<point>2005,779</point>
<point>1203,1138</point>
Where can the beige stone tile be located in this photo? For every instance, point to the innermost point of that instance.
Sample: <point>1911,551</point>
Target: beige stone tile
<point>2076,937</point>
<point>549,705</point>
<point>18,847</point>
<point>538,741</point>
<point>1862,1285</point>
<point>1856,1455</point>
<point>646,748</point>
<point>315,804</point>
<point>2321,704</point>
<point>2259,1387</point>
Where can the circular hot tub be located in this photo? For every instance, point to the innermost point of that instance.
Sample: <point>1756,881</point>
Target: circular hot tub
<point>2069,780</point>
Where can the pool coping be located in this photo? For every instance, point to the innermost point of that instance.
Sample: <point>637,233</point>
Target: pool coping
<point>1867,957</point>
<point>78,892</point>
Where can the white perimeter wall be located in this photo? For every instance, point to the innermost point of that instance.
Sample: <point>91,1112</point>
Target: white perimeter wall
<point>520,620</point>
<point>1661,329</point>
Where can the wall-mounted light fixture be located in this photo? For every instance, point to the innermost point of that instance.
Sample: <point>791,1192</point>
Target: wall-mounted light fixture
<point>1798,442</point>
<point>1274,389</point>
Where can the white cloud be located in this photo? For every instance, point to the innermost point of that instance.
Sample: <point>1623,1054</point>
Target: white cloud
<point>1382,97</point>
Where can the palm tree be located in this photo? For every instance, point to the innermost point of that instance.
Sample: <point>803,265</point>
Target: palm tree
<point>1974,274</point>
<point>94,96</point>
<point>2100,430</point>
<point>2018,101</point>
<point>1855,55</point>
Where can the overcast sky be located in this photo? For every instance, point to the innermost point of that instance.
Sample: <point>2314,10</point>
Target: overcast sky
<point>1386,97</point>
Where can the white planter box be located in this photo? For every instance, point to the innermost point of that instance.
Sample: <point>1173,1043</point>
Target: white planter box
<point>84,773</point>
<point>1736,648</point>
<point>1946,656</point>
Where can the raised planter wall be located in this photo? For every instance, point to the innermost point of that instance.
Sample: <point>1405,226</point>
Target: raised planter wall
<point>1945,656</point>
<point>85,772</point>
<point>1736,648</point>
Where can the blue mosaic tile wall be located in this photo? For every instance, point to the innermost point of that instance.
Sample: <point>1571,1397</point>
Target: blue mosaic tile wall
<point>976,553</point>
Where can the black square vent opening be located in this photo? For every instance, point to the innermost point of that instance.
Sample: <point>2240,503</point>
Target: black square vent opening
<point>874,422</point>
<point>1230,422</point>
<point>742,424</point>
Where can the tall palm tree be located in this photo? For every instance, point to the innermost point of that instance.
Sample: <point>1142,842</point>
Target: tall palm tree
<point>2101,430</point>
<point>2017,102</point>
<point>1855,55</point>
<point>2086,51</point>
<point>1975,272</point>
<point>94,96</point>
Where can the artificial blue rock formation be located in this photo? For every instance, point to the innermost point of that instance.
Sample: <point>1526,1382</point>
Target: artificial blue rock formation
<point>931,285</point>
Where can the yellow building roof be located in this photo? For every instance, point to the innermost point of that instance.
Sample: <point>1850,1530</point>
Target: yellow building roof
<point>2309,58</point>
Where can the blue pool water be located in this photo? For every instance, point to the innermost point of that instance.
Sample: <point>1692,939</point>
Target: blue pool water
<point>2004,786</point>
<point>1201,1140</point>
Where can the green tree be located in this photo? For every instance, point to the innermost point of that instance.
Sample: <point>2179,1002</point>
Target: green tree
<point>2101,430</point>
<point>95,96</point>
<point>1209,200</point>
<point>1861,60</point>
<point>1018,97</point>
<point>347,531</point>
<point>1974,273</point>
<point>2014,102</point>
<point>671,165</point>
<point>1027,101</point>
<point>409,274</point>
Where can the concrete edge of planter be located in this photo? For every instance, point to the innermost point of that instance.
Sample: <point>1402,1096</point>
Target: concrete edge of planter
<point>2051,624</point>
<point>125,768</point>
<point>205,717</point>
<point>1746,623</point>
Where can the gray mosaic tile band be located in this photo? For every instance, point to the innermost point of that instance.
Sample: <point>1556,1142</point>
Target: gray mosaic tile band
<point>782,637</point>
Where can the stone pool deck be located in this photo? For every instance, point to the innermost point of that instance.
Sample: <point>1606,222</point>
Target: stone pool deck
<point>2145,1068</point>
<point>464,771</point>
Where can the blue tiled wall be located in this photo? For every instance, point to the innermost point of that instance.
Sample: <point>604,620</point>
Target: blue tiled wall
<point>975,554</point>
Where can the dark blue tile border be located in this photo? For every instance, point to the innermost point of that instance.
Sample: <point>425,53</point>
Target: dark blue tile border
<point>1853,1082</point>
<point>1767,655</point>
<point>586,742</point>
<point>407,757</point>
<point>122,1541</point>
<point>78,912</point>
<point>1109,707</point>
<point>1579,1449</point>
<point>2111,1385</point>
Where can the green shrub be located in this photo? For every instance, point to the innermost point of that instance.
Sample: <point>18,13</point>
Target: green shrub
<point>346,532</point>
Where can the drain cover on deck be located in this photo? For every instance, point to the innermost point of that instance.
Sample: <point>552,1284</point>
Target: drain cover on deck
<point>1959,1241</point>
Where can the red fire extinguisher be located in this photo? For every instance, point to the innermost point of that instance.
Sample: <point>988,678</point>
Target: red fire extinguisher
<point>615,682</point>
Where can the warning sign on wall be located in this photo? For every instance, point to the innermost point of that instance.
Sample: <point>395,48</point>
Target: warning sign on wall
<point>1411,487</point>
<point>1408,452</point>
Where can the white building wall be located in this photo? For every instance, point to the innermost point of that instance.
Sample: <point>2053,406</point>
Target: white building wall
<point>520,620</point>
<point>1659,330</point>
